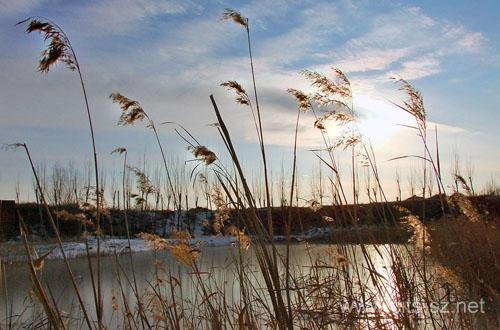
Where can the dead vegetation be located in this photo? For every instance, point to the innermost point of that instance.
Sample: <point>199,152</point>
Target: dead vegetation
<point>345,285</point>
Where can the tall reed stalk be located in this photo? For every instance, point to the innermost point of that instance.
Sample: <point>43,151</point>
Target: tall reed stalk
<point>308,296</point>
<point>133,112</point>
<point>267,262</point>
<point>414,106</point>
<point>50,309</point>
<point>236,17</point>
<point>56,231</point>
<point>61,50</point>
<point>304,104</point>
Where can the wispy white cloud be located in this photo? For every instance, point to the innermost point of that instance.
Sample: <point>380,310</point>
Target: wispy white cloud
<point>199,53</point>
<point>413,43</point>
<point>260,11</point>
<point>172,71</point>
<point>313,28</point>
<point>119,16</point>
<point>461,39</point>
<point>417,68</point>
<point>370,59</point>
<point>8,7</point>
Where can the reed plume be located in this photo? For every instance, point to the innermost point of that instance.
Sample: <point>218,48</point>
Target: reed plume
<point>144,184</point>
<point>203,153</point>
<point>12,146</point>
<point>330,91</point>
<point>243,99</point>
<point>327,218</point>
<point>119,151</point>
<point>463,183</point>
<point>233,15</point>
<point>59,47</point>
<point>303,101</point>
<point>222,212</point>
<point>350,141</point>
<point>154,241</point>
<point>181,249</point>
<point>414,105</point>
<point>54,228</point>
<point>39,262</point>
<point>241,95</point>
<point>314,205</point>
<point>336,95</point>
<point>132,111</point>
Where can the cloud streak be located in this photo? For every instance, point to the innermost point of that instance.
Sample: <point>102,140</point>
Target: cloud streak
<point>170,55</point>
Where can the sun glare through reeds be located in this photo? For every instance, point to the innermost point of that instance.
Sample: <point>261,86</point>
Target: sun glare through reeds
<point>210,233</point>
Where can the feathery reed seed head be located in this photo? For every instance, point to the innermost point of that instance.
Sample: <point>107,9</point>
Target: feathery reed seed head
<point>154,241</point>
<point>59,47</point>
<point>330,91</point>
<point>340,117</point>
<point>184,253</point>
<point>233,15</point>
<point>414,104</point>
<point>204,154</point>
<point>222,212</point>
<point>320,123</point>
<point>182,250</point>
<point>119,151</point>
<point>132,111</point>
<point>351,140</point>
<point>463,183</point>
<point>13,146</point>
<point>303,100</point>
<point>241,95</point>
<point>144,184</point>
<point>140,201</point>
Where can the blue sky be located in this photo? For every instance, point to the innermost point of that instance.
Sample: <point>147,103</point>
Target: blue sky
<point>171,55</point>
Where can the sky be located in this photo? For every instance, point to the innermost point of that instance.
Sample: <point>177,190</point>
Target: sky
<point>171,55</point>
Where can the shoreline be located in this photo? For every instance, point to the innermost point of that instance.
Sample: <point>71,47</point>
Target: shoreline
<point>13,251</point>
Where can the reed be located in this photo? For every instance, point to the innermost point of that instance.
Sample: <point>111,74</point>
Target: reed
<point>61,50</point>
<point>55,229</point>
<point>230,14</point>
<point>133,112</point>
<point>334,286</point>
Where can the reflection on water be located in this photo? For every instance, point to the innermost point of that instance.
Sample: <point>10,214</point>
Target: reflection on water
<point>218,261</point>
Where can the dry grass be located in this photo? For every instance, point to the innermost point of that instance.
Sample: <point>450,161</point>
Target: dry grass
<point>132,111</point>
<point>279,294</point>
<point>471,250</point>
<point>204,154</point>
<point>233,15</point>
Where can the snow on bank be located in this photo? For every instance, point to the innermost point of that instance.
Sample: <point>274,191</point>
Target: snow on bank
<point>313,233</point>
<point>120,245</point>
<point>13,251</point>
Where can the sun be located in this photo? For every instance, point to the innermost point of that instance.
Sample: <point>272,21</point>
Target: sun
<point>379,120</point>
